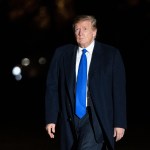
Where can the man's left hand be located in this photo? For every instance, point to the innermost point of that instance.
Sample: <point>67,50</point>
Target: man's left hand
<point>118,133</point>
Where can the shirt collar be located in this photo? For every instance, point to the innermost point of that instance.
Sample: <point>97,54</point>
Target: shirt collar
<point>89,48</point>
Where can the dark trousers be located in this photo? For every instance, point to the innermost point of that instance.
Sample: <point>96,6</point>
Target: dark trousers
<point>85,134</point>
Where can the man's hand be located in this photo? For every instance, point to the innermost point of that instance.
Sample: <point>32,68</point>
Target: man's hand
<point>50,128</point>
<point>118,133</point>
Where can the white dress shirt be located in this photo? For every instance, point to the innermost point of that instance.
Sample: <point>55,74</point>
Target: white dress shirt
<point>89,56</point>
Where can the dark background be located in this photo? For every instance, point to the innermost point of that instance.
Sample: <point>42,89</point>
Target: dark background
<point>33,29</point>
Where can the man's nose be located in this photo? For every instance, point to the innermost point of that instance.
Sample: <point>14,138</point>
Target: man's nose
<point>80,32</point>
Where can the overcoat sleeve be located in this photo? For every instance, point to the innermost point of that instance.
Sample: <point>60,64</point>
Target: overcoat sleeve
<point>51,95</point>
<point>119,92</point>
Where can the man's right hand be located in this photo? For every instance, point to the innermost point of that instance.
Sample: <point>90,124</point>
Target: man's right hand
<point>50,128</point>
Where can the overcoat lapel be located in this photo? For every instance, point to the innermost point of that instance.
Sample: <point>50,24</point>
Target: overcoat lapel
<point>95,61</point>
<point>69,66</point>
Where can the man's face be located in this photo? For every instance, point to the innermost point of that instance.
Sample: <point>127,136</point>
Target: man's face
<point>84,33</point>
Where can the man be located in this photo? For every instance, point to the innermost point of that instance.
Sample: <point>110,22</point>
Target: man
<point>103,121</point>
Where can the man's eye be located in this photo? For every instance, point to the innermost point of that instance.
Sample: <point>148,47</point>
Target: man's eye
<point>76,29</point>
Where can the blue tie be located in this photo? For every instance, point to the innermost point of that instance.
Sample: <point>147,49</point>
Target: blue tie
<point>81,86</point>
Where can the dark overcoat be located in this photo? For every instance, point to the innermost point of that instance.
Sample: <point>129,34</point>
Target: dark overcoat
<point>107,87</point>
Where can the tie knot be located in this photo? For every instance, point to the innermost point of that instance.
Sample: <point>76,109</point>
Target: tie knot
<point>84,51</point>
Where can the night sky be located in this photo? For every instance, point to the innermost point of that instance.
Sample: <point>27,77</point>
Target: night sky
<point>33,29</point>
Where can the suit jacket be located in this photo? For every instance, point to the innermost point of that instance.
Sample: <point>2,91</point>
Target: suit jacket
<point>107,88</point>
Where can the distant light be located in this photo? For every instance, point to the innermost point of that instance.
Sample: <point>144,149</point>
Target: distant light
<point>42,60</point>
<point>16,71</point>
<point>18,77</point>
<point>25,61</point>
